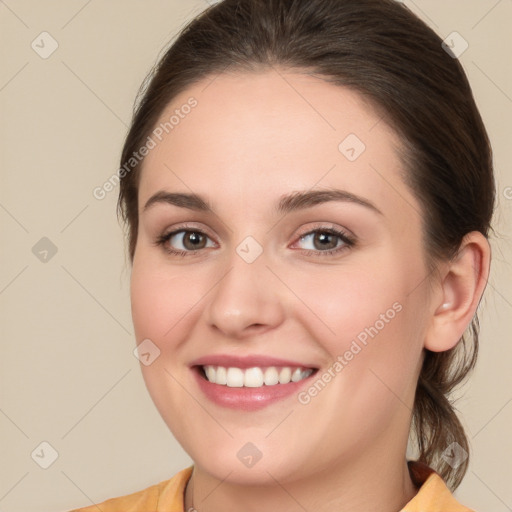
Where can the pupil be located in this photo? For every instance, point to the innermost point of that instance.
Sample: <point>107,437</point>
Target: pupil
<point>326,240</point>
<point>192,240</point>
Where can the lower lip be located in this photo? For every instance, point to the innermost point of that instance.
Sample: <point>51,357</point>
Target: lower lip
<point>247,399</point>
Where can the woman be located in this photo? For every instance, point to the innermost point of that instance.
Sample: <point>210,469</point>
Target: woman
<point>308,189</point>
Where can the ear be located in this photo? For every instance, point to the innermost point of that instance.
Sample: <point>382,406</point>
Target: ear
<point>463,282</point>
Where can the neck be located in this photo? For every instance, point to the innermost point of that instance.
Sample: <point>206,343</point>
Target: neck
<point>380,484</point>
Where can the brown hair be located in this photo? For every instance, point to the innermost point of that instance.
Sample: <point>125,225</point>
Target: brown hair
<point>383,51</point>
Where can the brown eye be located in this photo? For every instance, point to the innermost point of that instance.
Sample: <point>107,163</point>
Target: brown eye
<point>193,240</point>
<point>323,240</point>
<point>326,242</point>
<point>183,241</point>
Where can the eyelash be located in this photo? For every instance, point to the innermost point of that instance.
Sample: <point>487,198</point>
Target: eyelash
<point>348,241</point>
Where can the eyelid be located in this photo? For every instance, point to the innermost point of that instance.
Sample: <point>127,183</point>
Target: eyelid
<point>303,232</point>
<point>188,227</point>
<point>325,226</point>
<point>346,236</point>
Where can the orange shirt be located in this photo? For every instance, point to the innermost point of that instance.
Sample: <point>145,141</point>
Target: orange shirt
<point>167,496</point>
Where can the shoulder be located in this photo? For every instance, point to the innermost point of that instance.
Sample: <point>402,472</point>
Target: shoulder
<point>161,496</point>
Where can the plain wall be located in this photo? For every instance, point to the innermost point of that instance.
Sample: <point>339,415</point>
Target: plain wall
<point>68,373</point>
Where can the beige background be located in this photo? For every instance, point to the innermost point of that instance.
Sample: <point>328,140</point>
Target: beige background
<point>68,374</point>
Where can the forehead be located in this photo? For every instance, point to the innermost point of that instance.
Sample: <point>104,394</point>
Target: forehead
<point>272,130</point>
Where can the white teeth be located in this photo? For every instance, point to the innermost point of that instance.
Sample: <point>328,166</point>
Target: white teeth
<point>221,376</point>
<point>296,375</point>
<point>235,378</point>
<point>285,375</point>
<point>254,377</point>
<point>271,376</point>
<point>210,373</point>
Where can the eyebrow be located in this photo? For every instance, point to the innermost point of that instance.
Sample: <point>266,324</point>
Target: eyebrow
<point>288,203</point>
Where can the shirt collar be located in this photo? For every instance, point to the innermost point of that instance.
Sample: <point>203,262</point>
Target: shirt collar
<point>433,494</point>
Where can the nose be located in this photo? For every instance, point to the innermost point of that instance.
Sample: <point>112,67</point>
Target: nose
<point>247,300</point>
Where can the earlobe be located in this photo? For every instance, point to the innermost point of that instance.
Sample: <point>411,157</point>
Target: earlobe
<point>462,286</point>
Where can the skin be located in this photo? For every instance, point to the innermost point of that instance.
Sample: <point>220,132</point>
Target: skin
<point>252,139</point>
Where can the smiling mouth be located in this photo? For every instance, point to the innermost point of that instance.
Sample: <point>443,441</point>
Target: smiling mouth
<point>255,377</point>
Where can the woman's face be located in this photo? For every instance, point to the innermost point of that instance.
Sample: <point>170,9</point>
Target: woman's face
<point>298,255</point>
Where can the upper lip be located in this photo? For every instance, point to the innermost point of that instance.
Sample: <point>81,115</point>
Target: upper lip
<point>249,361</point>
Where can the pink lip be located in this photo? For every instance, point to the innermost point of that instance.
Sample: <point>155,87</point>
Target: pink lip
<point>247,399</point>
<point>246,361</point>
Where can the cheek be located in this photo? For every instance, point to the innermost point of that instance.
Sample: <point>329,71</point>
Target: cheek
<point>164,304</point>
<point>163,300</point>
<point>366,318</point>
<point>351,302</point>
<point>369,384</point>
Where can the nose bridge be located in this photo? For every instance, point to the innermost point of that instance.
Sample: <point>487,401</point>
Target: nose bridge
<point>246,295</point>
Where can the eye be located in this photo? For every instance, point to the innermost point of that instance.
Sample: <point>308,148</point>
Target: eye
<point>185,241</point>
<point>325,241</point>
<point>318,242</point>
